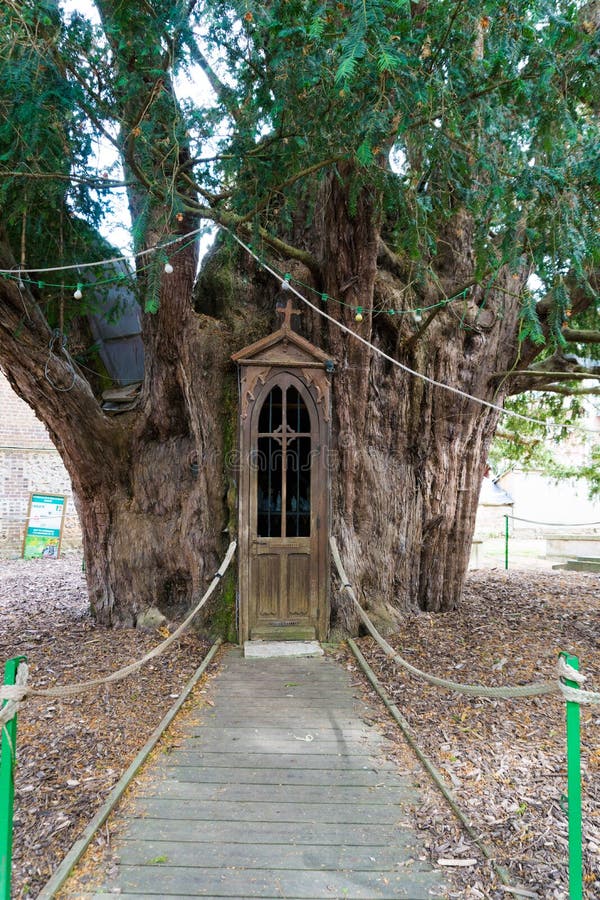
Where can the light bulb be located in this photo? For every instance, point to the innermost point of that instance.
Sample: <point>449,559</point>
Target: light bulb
<point>168,268</point>
<point>78,293</point>
<point>418,315</point>
<point>359,316</point>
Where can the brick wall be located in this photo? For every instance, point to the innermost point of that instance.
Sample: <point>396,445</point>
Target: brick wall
<point>28,462</point>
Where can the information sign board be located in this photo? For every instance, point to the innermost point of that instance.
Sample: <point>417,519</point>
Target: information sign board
<point>45,520</point>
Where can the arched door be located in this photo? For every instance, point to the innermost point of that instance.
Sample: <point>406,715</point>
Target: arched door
<point>286,513</point>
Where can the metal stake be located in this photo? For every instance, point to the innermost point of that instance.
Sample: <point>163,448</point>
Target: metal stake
<point>7,784</point>
<point>574,788</point>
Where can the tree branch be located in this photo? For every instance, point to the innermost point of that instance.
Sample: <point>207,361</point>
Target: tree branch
<point>549,371</point>
<point>224,93</point>
<point>571,392</point>
<point>578,336</point>
<point>94,182</point>
<point>581,296</point>
<point>278,188</point>
<point>232,222</point>
<point>564,376</point>
<point>468,98</point>
<point>33,367</point>
<point>515,438</point>
<point>287,250</point>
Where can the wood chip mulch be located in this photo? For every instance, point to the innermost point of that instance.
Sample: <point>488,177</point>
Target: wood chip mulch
<point>504,760</point>
<point>72,752</point>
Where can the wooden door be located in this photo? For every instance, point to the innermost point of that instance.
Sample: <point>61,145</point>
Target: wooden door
<point>286,512</point>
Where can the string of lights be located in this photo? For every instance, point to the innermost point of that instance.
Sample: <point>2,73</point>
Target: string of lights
<point>20,276</point>
<point>416,312</point>
<point>286,282</point>
<point>286,285</point>
<point>106,262</point>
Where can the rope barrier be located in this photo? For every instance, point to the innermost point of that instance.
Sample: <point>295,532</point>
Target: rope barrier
<point>16,695</point>
<point>574,695</point>
<point>473,690</point>
<point>554,524</point>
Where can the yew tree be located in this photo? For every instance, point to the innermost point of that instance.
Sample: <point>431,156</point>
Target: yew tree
<point>427,174</point>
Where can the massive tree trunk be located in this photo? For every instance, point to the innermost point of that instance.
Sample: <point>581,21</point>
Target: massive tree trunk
<point>407,456</point>
<point>149,484</point>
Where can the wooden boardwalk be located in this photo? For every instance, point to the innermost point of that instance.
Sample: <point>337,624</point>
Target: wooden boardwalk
<point>279,790</point>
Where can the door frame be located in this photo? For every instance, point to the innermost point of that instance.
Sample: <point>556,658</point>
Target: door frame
<point>313,386</point>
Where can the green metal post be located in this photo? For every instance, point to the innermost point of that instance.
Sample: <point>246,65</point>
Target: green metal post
<point>574,789</point>
<point>506,542</point>
<point>7,785</point>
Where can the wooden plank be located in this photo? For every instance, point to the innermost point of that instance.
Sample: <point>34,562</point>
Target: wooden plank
<point>268,776</point>
<point>279,675</point>
<point>237,832</point>
<point>275,707</point>
<point>291,723</point>
<point>303,884</point>
<point>266,692</point>
<point>173,789</point>
<point>230,811</point>
<point>217,758</point>
<point>298,746</point>
<point>265,856</point>
<point>245,733</point>
<point>287,719</point>
<point>284,669</point>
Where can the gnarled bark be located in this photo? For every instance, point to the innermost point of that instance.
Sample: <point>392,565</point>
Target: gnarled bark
<point>151,526</point>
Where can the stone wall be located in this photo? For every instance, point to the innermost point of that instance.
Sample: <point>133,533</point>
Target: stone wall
<point>29,463</point>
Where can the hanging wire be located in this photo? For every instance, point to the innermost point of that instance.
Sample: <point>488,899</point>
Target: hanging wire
<point>11,274</point>
<point>114,259</point>
<point>405,368</point>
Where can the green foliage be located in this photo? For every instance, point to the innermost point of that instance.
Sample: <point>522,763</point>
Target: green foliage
<point>500,135</point>
<point>488,107</point>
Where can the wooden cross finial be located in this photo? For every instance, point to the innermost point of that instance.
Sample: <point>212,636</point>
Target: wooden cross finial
<point>287,312</point>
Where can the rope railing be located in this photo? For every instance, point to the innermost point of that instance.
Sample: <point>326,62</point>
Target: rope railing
<point>508,516</point>
<point>554,524</point>
<point>571,692</point>
<point>473,690</point>
<point>16,693</point>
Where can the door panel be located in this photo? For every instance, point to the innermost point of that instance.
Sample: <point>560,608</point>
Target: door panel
<point>266,579</point>
<point>298,583</point>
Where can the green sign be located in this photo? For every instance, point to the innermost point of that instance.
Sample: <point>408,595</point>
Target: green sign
<point>44,526</point>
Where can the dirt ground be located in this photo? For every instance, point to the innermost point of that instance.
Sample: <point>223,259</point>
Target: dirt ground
<point>505,760</point>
